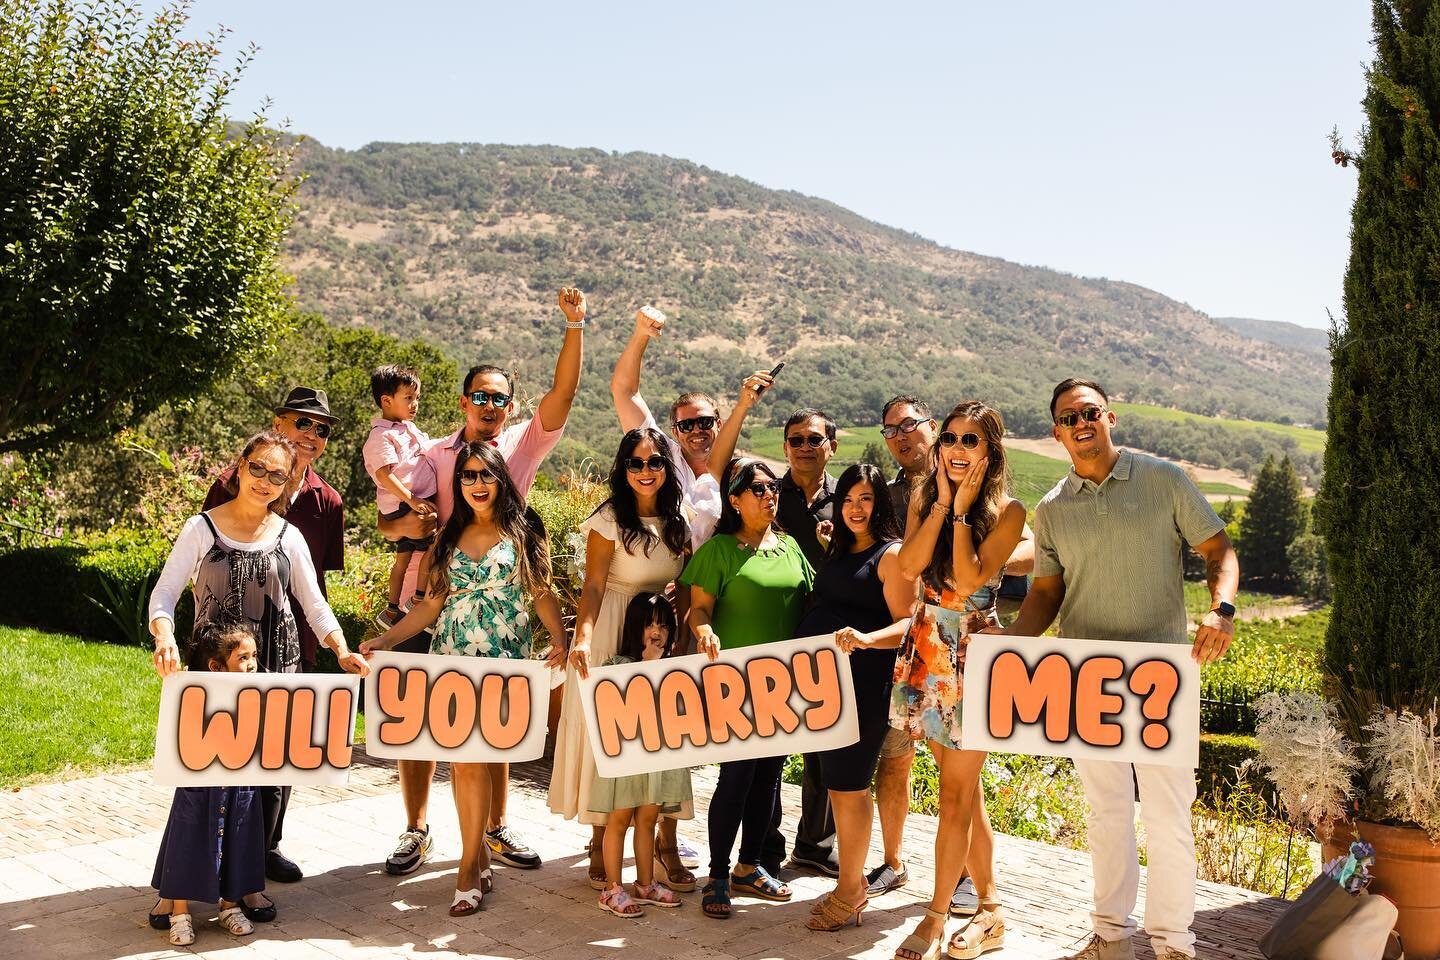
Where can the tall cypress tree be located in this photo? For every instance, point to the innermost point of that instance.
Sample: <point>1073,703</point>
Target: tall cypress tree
<point>1274,516</point>
<point>1379,505</point>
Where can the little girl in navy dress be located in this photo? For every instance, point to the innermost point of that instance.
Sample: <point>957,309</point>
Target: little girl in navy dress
<point>214,843</point>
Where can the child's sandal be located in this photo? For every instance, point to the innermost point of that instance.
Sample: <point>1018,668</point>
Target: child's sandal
<point>655,895</point>
<point>618,902</point>
<point>182,930</point>
<point>716,901</point>
<point>234,920</point>
<point>759,883</point>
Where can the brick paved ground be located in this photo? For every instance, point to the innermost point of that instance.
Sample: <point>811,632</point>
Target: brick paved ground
<point>76,858</point>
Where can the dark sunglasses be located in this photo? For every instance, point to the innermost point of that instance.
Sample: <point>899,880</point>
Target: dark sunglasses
<point>967,440</point>
<point>468,478</point>
<point>813,440</point>
<point>908,425</point>
<point>762,487</point>
<point>654,463</point>
<point>1088,414</point>
<point>480,398</point>
<point>690,423</point>
<point>259,471</point>
<point>320,428</point>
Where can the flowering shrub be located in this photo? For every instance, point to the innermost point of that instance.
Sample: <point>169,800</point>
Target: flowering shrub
<point>1305,755</point>
<point>29,504</point>
<point>1404,766</point>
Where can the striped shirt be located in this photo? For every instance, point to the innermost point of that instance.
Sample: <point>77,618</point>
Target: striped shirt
<point>1120,548</point>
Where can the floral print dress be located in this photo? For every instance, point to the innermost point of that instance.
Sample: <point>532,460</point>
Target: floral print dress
<point>930,669</point>
<point>484,613</point>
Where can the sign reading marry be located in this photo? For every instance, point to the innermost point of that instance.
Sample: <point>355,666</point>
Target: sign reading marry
<point>422,706</point>
<point>255,729</point>
<point>790,697</point>
<point>1086,699</point>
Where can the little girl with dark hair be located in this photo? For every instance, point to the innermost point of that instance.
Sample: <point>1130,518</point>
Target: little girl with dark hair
<point>640,799</point>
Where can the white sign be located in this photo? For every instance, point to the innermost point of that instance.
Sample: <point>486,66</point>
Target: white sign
<point>255,729</point>
<point>1084,699</point>
<point>424,706</point>
<point>794,696</point>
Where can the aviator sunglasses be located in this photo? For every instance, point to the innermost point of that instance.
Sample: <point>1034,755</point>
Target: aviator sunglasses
<point>690,423</point>
<point>1071,417</point>
<point>468,478</point>
<point>320,428</point>
<point>259,471</point>
<point>967,440</point>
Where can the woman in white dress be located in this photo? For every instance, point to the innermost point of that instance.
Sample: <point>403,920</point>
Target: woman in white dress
<point>634,542</point>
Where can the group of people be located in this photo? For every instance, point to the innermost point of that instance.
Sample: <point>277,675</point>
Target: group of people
<point>696,550</point>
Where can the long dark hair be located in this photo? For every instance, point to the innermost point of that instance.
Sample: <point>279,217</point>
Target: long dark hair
<point>643,610</point>
<point>985,511</point>
<point>738,475</point>
<point>263,441</point>
<point>674,531</point>
<point>883,523</point>
<point>516,523</point>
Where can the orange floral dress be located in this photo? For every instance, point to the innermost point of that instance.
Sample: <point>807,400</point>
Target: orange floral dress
<point>930,668</point>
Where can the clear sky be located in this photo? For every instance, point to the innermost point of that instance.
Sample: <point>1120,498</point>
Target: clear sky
<point>1178,146</point>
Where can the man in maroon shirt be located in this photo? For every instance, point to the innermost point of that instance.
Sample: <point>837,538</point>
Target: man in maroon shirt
<point>319,514</point>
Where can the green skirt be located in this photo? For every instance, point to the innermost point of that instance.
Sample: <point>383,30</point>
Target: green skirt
<point>669,788</point>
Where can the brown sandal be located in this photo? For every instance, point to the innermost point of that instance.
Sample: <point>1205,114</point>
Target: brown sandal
<point>599,880</point>
<point>835,914</point>
<point>680,880</point>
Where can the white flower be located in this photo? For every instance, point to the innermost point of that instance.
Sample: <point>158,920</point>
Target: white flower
<point>1307,758</point>
<point>575,568</point>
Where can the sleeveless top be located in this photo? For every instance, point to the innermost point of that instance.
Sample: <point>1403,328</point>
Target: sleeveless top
<point>848,593</point>
<point>484,613</point>
<point>251,586</point>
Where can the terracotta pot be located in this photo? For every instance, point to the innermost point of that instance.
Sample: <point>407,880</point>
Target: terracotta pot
<point>1407,870</point>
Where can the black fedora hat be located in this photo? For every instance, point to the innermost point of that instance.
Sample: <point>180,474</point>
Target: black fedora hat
<point>308,401</point>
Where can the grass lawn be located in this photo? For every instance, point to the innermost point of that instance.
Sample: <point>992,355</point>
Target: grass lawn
<point>71,707</point>
<point>1309,441</point>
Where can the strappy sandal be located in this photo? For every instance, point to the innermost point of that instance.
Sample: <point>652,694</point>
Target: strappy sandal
<point>234,920</point>
<point>487,880</point>
<point>656,895</point>
<point>716,901</point>
<point>599,879</point>
<point>915,947</point>
<point>466,902</point>
<point>617,901</point>
<point>182,930</point>
<point>759,883</point>
<point>984,933</point>
<point>835,914</point>
<point>680,880</point>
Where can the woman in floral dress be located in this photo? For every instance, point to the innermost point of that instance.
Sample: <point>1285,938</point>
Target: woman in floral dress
<point>490,556</point>
<point>961,528</point>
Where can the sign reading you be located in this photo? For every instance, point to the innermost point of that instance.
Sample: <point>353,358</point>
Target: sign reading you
<point>421,706</point>
<point>255,729</point>
<point>774,698</point>
<point>1084,699</point>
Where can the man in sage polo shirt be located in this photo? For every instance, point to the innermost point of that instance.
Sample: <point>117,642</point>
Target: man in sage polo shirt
<point>1109,545</point>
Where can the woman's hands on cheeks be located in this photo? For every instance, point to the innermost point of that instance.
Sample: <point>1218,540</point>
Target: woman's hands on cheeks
<point>968,489</point>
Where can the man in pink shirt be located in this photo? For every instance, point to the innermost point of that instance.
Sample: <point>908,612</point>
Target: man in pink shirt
<point>487,399</point>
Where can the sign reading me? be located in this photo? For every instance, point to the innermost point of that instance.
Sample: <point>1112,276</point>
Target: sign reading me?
<point>1085,699</point>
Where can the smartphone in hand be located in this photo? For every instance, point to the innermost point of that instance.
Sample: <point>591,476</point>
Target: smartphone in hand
<point>774,371</point>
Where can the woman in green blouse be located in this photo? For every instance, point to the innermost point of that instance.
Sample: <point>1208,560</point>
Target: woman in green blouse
<point>747,586</point>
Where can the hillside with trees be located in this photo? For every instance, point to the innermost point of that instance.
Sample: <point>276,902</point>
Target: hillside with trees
<point>464,246</point>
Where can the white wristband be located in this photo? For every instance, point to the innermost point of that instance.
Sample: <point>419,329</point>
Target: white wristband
<point>575,324</point>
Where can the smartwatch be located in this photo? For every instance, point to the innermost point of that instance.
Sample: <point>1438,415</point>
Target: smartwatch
<point>1226,609</point>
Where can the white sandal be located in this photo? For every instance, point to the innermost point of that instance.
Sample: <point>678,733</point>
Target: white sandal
<point>466,902</point>
<point>234,920</point>
<point>182,931</point>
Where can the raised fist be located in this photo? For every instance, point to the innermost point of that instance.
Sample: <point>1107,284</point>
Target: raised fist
<point>572,302</point>
<point>649,321</point>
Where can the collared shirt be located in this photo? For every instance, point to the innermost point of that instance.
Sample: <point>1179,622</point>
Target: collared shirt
<point>798,517</point>
<point>400,445</point>
<point>523,445</point>
<point>318,513</point>
<point>701,493</point>
<point>1119,546</point>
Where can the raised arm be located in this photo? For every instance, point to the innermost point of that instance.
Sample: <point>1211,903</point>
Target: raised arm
<point>724,446</point>
<point>921,535</point>
<point>554,407</point>
<point>625,381</point>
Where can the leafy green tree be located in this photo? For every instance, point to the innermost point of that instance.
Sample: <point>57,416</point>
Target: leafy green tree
<point>1377,504</point>
<point>876,455</point>
<point>1273,518</point>
<point>139,234</point>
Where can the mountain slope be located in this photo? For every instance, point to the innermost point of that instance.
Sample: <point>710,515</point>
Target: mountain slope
<point>464,245</point>
<point>1279,332</point>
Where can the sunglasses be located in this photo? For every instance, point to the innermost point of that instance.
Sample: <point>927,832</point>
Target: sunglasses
<point>655,464</point>
<point>468,478</point>
<point>259,471</point>
<point>908,425</point>
<point>967,440</point>
<point>1087,414</point>
<point>320,428</point>
<point>690,423</point>
<point>480,398</point>
<point>762,487</point>
<point>814,441</point>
